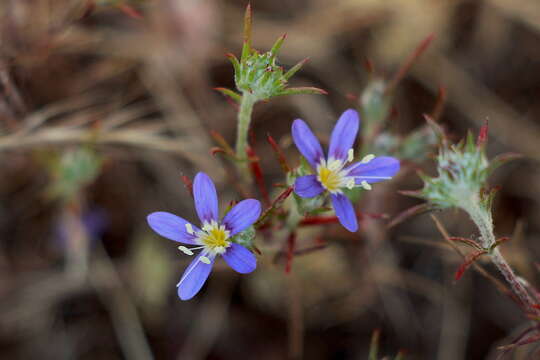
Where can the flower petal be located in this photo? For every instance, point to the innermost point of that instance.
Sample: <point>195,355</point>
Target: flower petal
<point>171,226</point>
<point>242,216</point>
<point>205,195</point>
<point>343,135</point>
<point>240,259</point>
<point>379,169</point>
<point>194,278</point>
<point>306,142</point>
<point>345,212</point>
<point>308,186</point>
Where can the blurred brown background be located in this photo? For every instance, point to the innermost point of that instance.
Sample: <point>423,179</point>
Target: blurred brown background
<point>135,79</point>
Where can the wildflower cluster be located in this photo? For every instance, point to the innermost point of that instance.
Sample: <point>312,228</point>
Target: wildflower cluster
<point>259,77</point>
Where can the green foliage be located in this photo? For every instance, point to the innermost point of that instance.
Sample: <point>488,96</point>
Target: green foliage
<point>245,238</point>
<point>259,73</point>
<point>73,170</point>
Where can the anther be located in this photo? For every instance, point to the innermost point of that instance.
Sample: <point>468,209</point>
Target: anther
<point>189,229</point>
<point>365,185</point>
<point>367,158</point>
<point>350,155</point>
<point>204,259</point>
<point>185,250</point>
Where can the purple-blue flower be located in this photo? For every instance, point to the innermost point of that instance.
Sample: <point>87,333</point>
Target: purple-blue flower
<point>332,173</point>
<point>212,239</point>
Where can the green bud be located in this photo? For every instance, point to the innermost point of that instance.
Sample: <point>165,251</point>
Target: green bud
<point>259,73</point>
<point>245,238</point>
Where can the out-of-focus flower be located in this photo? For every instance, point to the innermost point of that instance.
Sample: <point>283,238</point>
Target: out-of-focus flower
<point>212,239</point>
<point>94,221</point>
<point>332,173</point>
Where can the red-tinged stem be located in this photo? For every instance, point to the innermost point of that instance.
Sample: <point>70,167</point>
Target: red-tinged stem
<point>275,204</point>
<point>439,104</point>
<point>483,135</point>
<point>279,154</point>
<point>129,11</point>
<point>256,171</point>
<point>291,242</point>
<point>409,63</point>
<point>188,184</point>
<point>319,220</point>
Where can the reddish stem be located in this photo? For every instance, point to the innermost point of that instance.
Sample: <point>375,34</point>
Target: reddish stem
<point>291,242</point>
<point>256,171</point>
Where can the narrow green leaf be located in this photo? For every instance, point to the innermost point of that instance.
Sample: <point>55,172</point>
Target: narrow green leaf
<point>227,92</point>
<point>277,45</point>
<point>303,90</point>
<point>246,49</point>
<point>235,63</point>
<point>295,69</point>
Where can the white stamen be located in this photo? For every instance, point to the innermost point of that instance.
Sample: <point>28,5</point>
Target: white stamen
<point>204,259</point>
<point>365,185</point>
<point>185,250</point>
<point>367,158</point>
<point>350,183</point>
<point>189,229</point>
<point>350,155</point>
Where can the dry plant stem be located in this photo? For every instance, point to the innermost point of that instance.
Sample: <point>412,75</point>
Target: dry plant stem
<point>484,222</point>
<point>244,119</point>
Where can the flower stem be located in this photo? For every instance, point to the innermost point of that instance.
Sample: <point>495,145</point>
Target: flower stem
<point>483,220</point>
<point>244,119</point>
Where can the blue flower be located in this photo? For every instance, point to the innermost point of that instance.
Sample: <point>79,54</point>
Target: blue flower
<point>331,173</point>
<point>212,239</point>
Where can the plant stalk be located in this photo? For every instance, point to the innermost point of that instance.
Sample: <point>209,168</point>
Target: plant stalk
<point>483,220</point>
<point>244,120</point>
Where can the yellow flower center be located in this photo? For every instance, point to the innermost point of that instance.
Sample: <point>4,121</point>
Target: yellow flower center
<point>330,179</point>
<point>332,176</point>
<point>214,237</point>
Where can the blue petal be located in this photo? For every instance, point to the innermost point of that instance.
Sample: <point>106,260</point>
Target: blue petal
<point>171,226</point>
<point>306,142</point>
<point>379,169</point>
<point>240,259</point>
<point>194,278</point>
<point>308,186</point>
<point>345,212</point>
<point>343,135</point>
<point>205,195</point>
<point>242,215</point>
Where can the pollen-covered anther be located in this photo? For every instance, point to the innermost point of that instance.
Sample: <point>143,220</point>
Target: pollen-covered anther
<point>204,260</point>
<point>185,250</point>
<point>350,155</point>
<point>367,158</point>
<point>350,183</point>
<point>189,229</point>
<point>365,185</point>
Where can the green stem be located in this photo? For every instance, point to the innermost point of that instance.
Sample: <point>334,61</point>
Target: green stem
<point>244,119</point>
<point>483,220</point>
